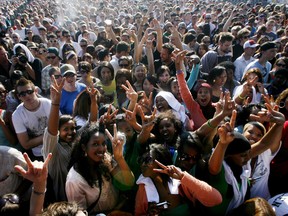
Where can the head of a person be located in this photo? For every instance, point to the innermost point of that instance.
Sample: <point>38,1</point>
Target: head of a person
<point>203,48</point>
<point>149,84</point>
<point>282,101</point>
<point>122,49</point>
<point>243,35</point>
<point>251,74</point>
<point>217,76</point>
<point>225,41</point>
<point>105,72</point>
<point>55,71</point>
<point>64,208</point>
<point>281,63</point>
<point>166,52</point>
<point>268,50</point>
<point>85,69</point>
<point>125,62</point>
<point>163,74</point>
<point>238,151</point>
<point>10,205</point>
<point>280,78</point>
<point>25,90</point>
<point>204,94</point>
<point>263,39</point>
<point>69,72</point>
<point>230,68</point>
<point>168,127</point>
<point>121,77</point>
<point>139,72</point>
<point>189,151</point>
<point>250,47</point>
<point>103,55</point>
<point>71,58</point>
<point>52,56</point>
<point>66,48</point>
<point>88,58</point>
<point>173,87</point>
<point>147,161</point>
<point>254,131</point>
<point>124,127</point>
<point>189,39</point>
<point>67,128</point>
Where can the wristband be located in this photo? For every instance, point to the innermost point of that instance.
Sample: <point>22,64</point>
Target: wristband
<point>55,104</point>
<point>179,71</point>
<point>38,193</point>
<point>209,124</point>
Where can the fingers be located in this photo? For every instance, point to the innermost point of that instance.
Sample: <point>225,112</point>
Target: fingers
<point>129,85</point>
<point>46,162</point>
<point>114,113</point>
<point>125,87</point>
<point>115,132</point>
<point>20,170</point>
<point>233,119</point>
<point>161,165</point>
<point>27,159</point>
<point>108,134</point>
<point>109,108</point>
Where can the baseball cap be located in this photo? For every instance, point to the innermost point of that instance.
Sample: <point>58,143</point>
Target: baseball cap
<point>250,44</point>
<point>53,50</point>
<point>268,45</point>
<point>67,68</point>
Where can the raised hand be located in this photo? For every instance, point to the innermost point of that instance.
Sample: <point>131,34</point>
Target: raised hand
<point>131,94</point>
<point>146,102</point>
<point>171,170</point>
<point>118,140</point>
<point>179,56</point>
<point>147,120</point>
<point>108,117</point>
<point>225,132</point>
<point>93,92</point>
<point>130,116</point>
<point>37,170</point>
<point>56,90</point>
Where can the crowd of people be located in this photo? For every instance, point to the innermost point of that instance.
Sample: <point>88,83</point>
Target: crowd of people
<point>136,107</point>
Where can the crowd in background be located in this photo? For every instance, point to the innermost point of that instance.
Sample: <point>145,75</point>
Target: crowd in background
<point>137,107</point>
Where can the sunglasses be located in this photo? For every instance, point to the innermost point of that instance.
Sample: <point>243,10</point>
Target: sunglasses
<point>84,45</point>
<point>186,157</point>
<point>83,71</point>
<point>281,65</point>
<point>57,76</point>
<point>53,41</point>
<point>123,65</point>
<point>24,93</point>
<point>12,198</point>
<point>51,57</point>
<point>3,92</point>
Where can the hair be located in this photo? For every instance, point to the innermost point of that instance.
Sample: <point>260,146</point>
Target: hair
<point>161,70</point>
<point>284,59</point>
<point>225,36</point>
<point>82,105</point>
<point>67,47</point>
<point>170,47</point>
<point>188,37</point>
<point>228,65</point>
<point>124,73</point>
<point>23,82</point>
<point>126,58</point>
<point>242,32</point>
<point>192,140</point>
<point>52,70</point>
<point>64,119</point>
<point>254,207</point>
<point>62,208</point>
<point>80,162</point>
<point>138,65</point>
<point>85,65</point>
<point>169,84</point>
<point>9,208</point>
<point>122,47</point>
<point>69,55</point>
<point>215,72</point>
<point>253,70</point>
<point>101,54</point>
<point>176,122</point>
<point>107,65</point>
<point>282,97</point>
<point>257,125</point>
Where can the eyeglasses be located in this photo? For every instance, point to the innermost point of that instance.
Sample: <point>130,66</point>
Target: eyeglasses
<point>123,65</point>
<point>186,157</point>
<point>53,41</point>
<point>12,198</point>
<point>24,93</point>
<point>51,57</point>
<point>42,51</point>
<point>137,17</point>
<point>3,92</point>
<point>67,36</point>
<point>83,45</point>
<point>57,76</point>
<point>83,71</point>
<point>281,65</point>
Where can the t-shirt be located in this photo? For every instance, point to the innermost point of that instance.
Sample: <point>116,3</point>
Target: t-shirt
<point>32,122</point>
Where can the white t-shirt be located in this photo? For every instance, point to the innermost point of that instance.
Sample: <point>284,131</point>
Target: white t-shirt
<point>260,175</point>
<point>34,123</point>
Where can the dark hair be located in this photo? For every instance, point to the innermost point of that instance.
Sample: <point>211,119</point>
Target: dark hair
<point>122,47</point>
<point>82,105</point>
<point>253,70</point>
<point>225,36</point>
<point>188,37</point>
<point>107,65</point>
<point>80,162</point>
<point>67,47</point>
<point>170,47</point>
<point>64,119</point>
<point>257,125</point>
<point>227,65</point>
<point>215,72</point>
<point>10,205</point>
<point>192,140</point>
<point>102,54</point>
<point>124,73</point>
<point>161,70</point>
<point>23,82</point>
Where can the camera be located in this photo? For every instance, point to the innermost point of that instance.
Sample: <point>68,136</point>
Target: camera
<point>22,58</point>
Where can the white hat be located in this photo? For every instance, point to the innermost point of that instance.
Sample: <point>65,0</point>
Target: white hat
<point>250,44</point>
<point>279,204</point>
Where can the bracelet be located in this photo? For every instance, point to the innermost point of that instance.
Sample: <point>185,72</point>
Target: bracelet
<point>179,71</point>
<point>55,104</point>
<point>242,98</point>
<point>37,192</point>
<point>209,124</point>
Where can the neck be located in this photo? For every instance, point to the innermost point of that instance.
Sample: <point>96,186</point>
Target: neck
<point>246,56</point>
<point>32,106</point>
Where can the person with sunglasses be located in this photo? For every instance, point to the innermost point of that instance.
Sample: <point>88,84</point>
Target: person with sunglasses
<point>30,118</point>
<point>85,70</point>
<point>242,36</point>
<point>53,60</point>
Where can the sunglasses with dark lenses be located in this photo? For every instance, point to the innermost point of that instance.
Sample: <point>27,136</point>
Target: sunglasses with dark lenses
<point>24,93</point>
<point>186,157</point>
<point>51,57</point>
<point>12,198</point>
<point>57,76</point>
<point>280,65</point>
<point>83,71</point>
<point>83,45</point>
<point>53,41</point>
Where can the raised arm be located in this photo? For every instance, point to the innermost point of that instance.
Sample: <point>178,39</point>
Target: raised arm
<point>94,106</point>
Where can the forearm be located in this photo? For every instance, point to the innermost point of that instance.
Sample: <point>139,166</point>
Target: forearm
<point>31,143</point>
<point>123,174</point>
<point>216,159</point>
<point>193,76</point>
<point>37,198</point>
<point>93,111</point>
<point>150,58</point>
<point>53,121</point>
<point>30,71</point>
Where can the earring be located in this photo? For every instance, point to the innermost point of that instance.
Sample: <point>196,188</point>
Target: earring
<point>214,81</point>
<point>85,155</point>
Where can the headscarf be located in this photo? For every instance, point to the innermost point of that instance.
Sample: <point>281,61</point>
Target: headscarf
<point>26,50</point>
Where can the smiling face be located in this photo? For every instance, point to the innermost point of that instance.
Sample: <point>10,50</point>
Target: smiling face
<point>253,134</point>
<point>140,73</point>
<point>203,96</point>
<point>167,129</point>
<point>106,75</point>
<point>147,87</point>
<point>221,80</point>
<point>164,77</point>
<point>96,147</point>
<point>161,104</point>
<point>68,131</point>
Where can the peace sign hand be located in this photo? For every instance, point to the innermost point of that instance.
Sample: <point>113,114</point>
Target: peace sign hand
<point>171,170</point>
<point>108,117</point>
<point>92,93</point>
<point>118,140</point>
<point>37,170</point>
<point>56,90</point>
<point>226,135</point>
<point>130,117</point>
<point>147,121</point>
<point>131,94</point>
